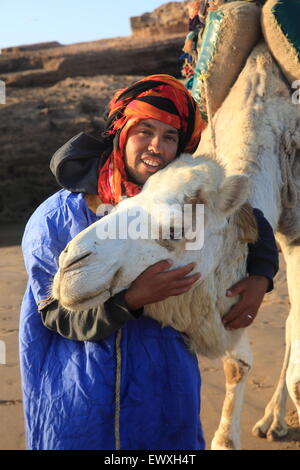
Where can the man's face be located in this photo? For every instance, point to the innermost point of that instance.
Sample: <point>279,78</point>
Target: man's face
<point>151,145</point>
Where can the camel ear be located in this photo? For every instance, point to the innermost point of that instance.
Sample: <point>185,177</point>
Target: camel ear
<point>232,194</point>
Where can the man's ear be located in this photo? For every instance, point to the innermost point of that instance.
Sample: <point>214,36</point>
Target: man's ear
<point>232,194</point>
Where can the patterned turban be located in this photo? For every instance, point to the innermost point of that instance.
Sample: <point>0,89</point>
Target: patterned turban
<point>159,97</point>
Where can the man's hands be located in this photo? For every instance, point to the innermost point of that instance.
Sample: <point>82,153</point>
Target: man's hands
<point>155,284</point>
<point>252,291</point>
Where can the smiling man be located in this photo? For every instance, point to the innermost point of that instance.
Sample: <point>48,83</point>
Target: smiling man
<point>151,145</point>
<point>74,397</point>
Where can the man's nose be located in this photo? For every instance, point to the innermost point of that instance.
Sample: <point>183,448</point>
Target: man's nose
<point>156,144</point>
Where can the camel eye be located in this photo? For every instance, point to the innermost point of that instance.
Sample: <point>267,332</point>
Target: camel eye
<point>176,235</point>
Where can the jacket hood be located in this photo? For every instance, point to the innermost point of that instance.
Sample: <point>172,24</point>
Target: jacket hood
<point>75,165</point>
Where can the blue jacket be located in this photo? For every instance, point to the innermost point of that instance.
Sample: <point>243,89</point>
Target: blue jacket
<point>69,387</point>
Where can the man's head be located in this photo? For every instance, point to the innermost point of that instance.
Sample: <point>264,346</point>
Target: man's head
<point>150,146</point>
<point>150,122</point>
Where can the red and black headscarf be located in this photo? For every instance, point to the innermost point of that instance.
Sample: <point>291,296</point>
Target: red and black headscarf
<point>160,97</point>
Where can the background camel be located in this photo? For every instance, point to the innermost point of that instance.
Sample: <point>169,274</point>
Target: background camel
<point>256,133</point>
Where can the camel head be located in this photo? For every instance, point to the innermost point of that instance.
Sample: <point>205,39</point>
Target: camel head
<point>189,204</point>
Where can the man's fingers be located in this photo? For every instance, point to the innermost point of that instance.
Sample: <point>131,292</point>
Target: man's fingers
<point>240,313</point>
<point>235,312</point>
<point>186,282</point>
<point>176,292</point>
<point>241,321</point>
<point>236,289</point>
<point>179,273</point>
<point>160,266</point>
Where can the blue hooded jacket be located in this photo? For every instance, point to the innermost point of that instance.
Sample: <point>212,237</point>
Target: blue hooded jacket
<point>70,391</point>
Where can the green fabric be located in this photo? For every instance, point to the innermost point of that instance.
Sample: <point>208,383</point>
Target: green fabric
<point>206,53</point>
<point>209,41</point>
<point>189,83</point>
<point>287,14</point>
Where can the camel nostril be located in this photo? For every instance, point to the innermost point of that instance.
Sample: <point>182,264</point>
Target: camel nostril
<point>66,250</point>
<point>77,259</point>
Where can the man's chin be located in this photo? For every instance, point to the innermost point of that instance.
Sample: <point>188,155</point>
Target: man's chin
<point>141,174</point>
<point>139,178</point>
<point>147,170</point>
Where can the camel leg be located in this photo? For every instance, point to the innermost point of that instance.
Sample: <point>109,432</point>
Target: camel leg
<point>273,423</point>
<point>237,365</point>
<point>292,257</point>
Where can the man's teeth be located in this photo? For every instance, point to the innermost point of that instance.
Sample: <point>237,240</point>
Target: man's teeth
<point>151,163</point>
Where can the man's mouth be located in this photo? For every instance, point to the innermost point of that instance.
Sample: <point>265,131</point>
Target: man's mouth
<point>152,163</point>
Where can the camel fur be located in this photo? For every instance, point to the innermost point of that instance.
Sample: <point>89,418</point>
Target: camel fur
<point>256,133</point>
<point>229,227</point>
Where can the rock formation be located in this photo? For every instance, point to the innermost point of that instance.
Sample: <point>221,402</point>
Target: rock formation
<point>54,92</point>
<point>31,47</point>
<point>117,57</point>
<point>170,18</point>
<point>34,123</point>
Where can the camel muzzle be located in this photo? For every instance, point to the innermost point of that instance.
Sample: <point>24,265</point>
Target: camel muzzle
<point>68,264</point>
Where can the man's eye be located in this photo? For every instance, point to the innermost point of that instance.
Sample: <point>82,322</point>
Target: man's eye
<point>171,138</point>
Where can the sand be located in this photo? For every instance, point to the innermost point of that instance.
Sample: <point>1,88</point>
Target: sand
<point>266,336</point>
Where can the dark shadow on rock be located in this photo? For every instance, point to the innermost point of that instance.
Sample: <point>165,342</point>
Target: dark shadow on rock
<point>11,234</point>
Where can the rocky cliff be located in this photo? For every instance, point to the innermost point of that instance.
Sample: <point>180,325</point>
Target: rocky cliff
<point>34,123</point>
<point>31,47</point>
<point>54,92</point>
<point>117,57</point>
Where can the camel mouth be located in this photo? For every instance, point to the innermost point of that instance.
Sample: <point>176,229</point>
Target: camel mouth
<point>85,303</point>
<point>76,263</point>
<point>67,284</point>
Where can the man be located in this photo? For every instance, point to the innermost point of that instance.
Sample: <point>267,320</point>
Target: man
<point>69,379</point>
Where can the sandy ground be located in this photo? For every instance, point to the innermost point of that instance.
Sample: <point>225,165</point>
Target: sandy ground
<point>266,335</point>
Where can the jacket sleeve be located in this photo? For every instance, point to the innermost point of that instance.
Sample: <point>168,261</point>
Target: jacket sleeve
<point>263,257</point>
<point>41,262</point>
<point>89,325</point>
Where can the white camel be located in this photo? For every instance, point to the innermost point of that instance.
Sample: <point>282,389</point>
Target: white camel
<point>229,225</point>
<point>256,132</point>
<point>87,276</point>
<point>256,136</point>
